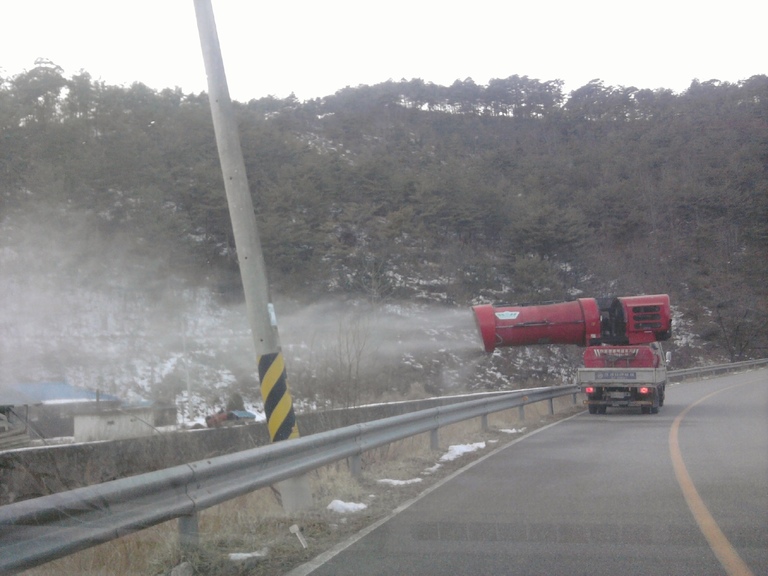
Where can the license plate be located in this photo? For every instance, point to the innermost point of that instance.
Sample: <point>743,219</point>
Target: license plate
<point>616,375</point>
<point>619,395</point>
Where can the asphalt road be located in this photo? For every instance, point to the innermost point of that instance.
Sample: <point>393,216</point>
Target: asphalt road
<point>684,492</point>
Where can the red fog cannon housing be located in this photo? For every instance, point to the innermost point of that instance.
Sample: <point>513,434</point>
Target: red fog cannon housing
<point>583,322</point>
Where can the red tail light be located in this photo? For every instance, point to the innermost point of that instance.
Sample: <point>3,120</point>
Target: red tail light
<point>589,390</point>
<point>644,390</point>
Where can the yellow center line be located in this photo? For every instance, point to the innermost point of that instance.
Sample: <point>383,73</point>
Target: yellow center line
<point>725,552</point>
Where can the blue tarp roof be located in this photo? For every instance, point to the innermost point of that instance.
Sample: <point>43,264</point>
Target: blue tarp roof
<point>48,393</point>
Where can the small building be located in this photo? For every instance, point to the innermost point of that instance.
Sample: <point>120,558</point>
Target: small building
<point>114,424</point>
<point>58,409</point>
<point>48,408</point>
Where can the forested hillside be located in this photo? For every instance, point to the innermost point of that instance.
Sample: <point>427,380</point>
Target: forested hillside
<point>403,192</point>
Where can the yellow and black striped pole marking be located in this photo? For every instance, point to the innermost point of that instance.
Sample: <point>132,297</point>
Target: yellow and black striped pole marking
<point>278,405</point>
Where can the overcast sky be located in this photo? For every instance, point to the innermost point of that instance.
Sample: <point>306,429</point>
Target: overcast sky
<point>314,48</point>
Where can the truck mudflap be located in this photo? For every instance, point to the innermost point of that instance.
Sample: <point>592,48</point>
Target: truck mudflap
<point>600,406</point>
<point>622,403</point>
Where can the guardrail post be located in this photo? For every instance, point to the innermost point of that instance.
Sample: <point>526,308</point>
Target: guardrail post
<point>484,422</point>
<point>574,399</point>
<point>434,443</point>
<point>356,465</point>
<point>551,406</point>
<point>189,535</point>
<point>521,412</point>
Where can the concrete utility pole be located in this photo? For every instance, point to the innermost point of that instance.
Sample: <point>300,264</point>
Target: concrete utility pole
<point>278,405</point>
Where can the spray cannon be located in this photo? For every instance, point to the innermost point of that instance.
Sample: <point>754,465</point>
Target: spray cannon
<point>583,322</point>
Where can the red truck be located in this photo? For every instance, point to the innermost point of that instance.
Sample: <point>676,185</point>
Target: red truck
<point>624,364</point>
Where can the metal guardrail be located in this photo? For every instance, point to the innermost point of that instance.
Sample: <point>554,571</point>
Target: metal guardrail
<point>714,370</point>
<point>36,531</point>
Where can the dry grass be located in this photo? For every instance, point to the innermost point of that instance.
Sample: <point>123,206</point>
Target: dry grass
<point>142,553</point>
<point>257,521</point>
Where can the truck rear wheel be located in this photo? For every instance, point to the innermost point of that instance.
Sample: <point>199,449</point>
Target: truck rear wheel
<point>657,401</point>
<point>592,409</point>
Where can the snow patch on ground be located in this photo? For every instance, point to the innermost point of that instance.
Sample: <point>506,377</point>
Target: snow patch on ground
<point>345,507</point>
<point>458,450</point>
<point>242,556</point>
<point>399,482</point>
<point>455,451</point>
